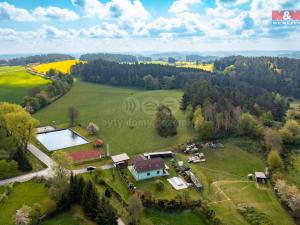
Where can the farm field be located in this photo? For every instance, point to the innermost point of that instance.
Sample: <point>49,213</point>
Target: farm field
<point>24,193</point>
<point>15,82</point>
<point>207,67</point>
<point>125,116</point>
<point>62,66</point>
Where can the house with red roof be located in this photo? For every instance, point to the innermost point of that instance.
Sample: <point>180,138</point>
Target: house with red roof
<point>143,168</point>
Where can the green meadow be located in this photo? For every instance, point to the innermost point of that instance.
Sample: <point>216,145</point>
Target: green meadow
<point>125,116</point>
<point>15,82</point>
<point>23,193</point>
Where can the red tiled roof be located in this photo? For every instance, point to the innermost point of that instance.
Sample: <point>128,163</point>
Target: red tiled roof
<point>82,155</point>
<point>149,164</point>
<point>99,141</point>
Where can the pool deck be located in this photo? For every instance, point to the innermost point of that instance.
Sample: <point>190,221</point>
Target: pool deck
<point>44,129</point>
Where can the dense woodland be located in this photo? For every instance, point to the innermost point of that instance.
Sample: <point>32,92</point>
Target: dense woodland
<point>35,59</point>
<point>109,57</point>
<point>157,76</point>
<point>273,73</point>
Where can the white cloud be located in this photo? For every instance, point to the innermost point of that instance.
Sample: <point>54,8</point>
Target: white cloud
<point>54,13</point>
<point>180,6</point>
<point>7,34</point>
<point>91,7</point>
<point>10,12</point>
<point>106,30</point>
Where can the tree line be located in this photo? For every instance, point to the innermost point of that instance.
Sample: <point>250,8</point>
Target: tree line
<point>149,76</point>
<point>35,59</point>
<point>109,57</point>
<point>272,73</point>
<point>38,98</point>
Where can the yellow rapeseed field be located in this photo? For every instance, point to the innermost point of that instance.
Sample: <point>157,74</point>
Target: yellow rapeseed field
<point>62,66</point>
<point>207,67</point>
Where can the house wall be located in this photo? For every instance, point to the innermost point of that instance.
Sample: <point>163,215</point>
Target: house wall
<point>148,174</point>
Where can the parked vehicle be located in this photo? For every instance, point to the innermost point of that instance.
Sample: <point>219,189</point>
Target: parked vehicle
<point>90,168</point>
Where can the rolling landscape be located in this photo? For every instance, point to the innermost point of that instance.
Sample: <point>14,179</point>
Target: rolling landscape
<point>139,112</point>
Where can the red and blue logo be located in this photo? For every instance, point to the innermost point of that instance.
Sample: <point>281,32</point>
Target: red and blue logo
<point>286,17</point>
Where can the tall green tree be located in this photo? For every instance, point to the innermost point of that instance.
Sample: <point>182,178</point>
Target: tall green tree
<point>248,125</point>
<point>166,123</point>
<point>275,162</point>
<point>18,123</point>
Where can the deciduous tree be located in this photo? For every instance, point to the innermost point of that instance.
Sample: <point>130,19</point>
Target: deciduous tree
<point>135,209</point>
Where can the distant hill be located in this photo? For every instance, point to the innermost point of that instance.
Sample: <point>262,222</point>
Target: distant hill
<point>35,59</point>
<point>194,58</point>
<point>144,59</point>
<point>295,55</point>
<point>120,58</point>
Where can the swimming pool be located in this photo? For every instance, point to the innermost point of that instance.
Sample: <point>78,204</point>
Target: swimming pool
<point>59,139</point>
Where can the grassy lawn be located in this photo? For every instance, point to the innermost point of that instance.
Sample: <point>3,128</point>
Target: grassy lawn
<point>24,193</point>
<point>174,217</point>
<point>62,66</point>
<point>15,82</point>
<point>35,162</point>
<point>73,216</point>
<point>125,116</point>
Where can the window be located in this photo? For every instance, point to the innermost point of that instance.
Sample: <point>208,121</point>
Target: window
<point>158,172</point>
<point>148,174</point>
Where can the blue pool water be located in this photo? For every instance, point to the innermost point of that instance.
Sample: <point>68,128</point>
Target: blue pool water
<point>60,139</point>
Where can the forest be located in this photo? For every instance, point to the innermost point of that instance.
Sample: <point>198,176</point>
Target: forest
<point>151,76</point>
<point>272,73</point>
<point>109,57</point>
<point>35,59</point>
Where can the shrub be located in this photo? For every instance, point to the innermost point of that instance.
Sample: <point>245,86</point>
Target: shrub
<point>3,197</point>
<point>92,128</point>
<point>49,206</point>
<point>159,185</point>
<point>107,193</point>
<point>253,216</point>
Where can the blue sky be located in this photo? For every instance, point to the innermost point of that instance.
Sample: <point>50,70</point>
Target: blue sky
<point>28,26</point>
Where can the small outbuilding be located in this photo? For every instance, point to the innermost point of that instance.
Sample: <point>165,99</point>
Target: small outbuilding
<point>99,143</point>
<point>260,177</point>
<point>166,154</point>
<point>120,160</point>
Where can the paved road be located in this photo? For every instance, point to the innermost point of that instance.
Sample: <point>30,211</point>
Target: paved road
<point>45,172</point>
<point>41,155</point>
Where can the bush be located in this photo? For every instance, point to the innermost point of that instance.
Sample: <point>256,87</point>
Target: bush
<point>92,128</point>
<point>49,206</point>
<point>253,216</point>
<point>107,193</point>
<point>159,185</point>
<point>8,168</point>
<point>3,197</point>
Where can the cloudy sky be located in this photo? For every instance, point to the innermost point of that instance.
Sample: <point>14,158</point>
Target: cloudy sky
<point>39,26</point>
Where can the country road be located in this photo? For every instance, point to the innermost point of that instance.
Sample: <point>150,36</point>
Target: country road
<point>45,172</point>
